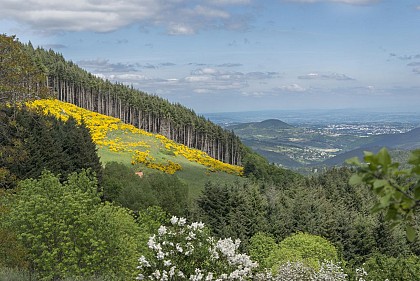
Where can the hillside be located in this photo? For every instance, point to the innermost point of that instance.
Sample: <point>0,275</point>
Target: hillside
<point>145,151</point>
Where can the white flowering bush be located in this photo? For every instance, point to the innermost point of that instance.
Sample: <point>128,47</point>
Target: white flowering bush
<point>298,271</point>
<point>184,251</point>
<point>330,271</point>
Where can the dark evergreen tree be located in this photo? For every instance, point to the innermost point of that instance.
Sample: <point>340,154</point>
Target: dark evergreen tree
<point>80,149</point>
<point>237,210</point>
<point>32,142</point>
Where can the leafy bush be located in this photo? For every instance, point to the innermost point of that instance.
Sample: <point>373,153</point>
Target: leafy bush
<point>260,248</point>
<point>398,189</point>
<point>122,186</point>
<point>381,267</point>
<point>309,249</point>
<point>67,232</point>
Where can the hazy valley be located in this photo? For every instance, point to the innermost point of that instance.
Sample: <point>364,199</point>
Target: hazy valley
<point>308,140</point>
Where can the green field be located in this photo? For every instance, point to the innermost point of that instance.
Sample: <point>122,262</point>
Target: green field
<point>193,174</point>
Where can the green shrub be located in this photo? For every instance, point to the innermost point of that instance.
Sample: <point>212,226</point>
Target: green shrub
<point>309,249</point>
<point>381,267</point>
<point>67,232</point>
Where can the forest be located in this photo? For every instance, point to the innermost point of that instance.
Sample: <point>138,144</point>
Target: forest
<point>65,215</point>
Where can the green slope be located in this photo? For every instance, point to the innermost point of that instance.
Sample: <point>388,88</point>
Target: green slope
<point>121,143</point>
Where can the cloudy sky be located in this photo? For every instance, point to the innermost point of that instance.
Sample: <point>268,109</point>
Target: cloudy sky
<point>238,55</point>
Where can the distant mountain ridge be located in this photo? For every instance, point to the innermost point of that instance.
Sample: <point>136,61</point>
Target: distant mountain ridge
<point>404,141</point>
<point>269,124</point>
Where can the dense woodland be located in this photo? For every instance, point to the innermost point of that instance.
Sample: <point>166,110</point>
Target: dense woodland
<point>64,215</point>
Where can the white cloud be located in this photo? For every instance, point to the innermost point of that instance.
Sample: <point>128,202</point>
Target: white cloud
<point>201,91</point>
<point>350,2</point>
<point>197,78</point>
<point>254,94</point>
<point>178,16</point>
<point>180,29</point>
<point>217,74</point>
<point>210,12</point>
<point>206,71</point>
<point>326,76</point>
<point>203,80</point>
<point>127,77</point>
<point>292,88</point>
<point>103,65</point>
<point>229,2</point>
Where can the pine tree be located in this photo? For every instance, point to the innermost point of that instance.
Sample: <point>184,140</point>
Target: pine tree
<point>20,78</point>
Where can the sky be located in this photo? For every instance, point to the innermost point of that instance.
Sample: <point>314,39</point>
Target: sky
<point>238,55</point>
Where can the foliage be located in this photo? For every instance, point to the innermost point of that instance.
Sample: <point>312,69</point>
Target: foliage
<point>302,247</point>
<point>149,220</point>
<point>20,77</point>
<point>184,251</point>
<point>171,193</point>
<point>12,252</point>
<point>67,232</point>
<point>32,142</point>
<point>235,210</point>
<point>381,267</point>
<point>328,206</point>
<point>260,248</point>
<point>122,186</point>
<point>257,167</point>
<point>15,274</point>
<point>398,189</point>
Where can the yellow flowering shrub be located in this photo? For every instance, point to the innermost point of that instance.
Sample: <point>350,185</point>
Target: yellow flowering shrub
<point>101,126</point>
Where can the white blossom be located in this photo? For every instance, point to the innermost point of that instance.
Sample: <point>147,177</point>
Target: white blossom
<point>174,220</point>
<point>182,221</point>
<point>179,247</point>
<point>162,230</point>
<point>143,262</point>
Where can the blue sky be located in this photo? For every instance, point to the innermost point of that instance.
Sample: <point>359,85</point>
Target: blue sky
<point>238,55</point>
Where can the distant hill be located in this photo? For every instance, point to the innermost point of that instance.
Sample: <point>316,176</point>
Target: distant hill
<point>269,124</point>
<point>405,141</point>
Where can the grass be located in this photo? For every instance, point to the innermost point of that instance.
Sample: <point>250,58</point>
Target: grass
<point>193,174</point>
